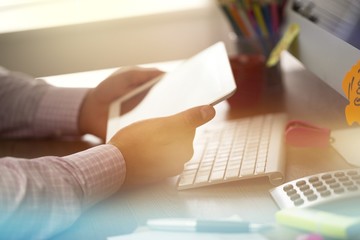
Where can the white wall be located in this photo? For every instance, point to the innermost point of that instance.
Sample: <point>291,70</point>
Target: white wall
<point>112,43</point>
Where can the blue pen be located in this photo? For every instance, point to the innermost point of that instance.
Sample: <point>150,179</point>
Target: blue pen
<point>193,225</point>
<point>265,8</point>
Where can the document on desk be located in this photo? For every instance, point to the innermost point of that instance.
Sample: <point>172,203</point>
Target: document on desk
<point>203,79</point>
<point>188,236</point>
<point>346,143</point>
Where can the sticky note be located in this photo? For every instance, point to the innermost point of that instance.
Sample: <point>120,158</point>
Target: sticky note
<point>321,222</point>
<point>351,88</point>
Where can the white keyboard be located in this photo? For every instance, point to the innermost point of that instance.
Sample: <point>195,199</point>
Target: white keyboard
<point>237,149</point>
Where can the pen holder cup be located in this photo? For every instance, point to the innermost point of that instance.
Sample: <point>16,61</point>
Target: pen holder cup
<point>249,75</point>
<point>253,78</point>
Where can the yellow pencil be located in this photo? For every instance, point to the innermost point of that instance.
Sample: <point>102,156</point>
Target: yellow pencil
<point>260,19</point>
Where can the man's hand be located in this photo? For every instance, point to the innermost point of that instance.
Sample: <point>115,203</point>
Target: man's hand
<point>157,148</point>
<point>94,111</point>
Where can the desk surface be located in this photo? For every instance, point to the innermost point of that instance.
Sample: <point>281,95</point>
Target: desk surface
<point>301,95</point>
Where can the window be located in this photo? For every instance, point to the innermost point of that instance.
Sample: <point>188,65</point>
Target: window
<point>17,15</point>
<point>20,3</point>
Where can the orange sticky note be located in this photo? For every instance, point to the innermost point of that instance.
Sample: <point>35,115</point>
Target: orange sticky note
<point>351,88</point>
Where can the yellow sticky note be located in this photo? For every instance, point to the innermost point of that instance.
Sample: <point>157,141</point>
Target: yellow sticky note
<point>284,43</point>
<point>351,88</point>
<point>317,221</point>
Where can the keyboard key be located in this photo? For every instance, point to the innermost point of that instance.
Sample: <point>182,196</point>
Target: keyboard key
<point>216,175</point>
<point>246,171</point>
<point>201,178</point>
<point>231,173</point>
<point>186,180</point>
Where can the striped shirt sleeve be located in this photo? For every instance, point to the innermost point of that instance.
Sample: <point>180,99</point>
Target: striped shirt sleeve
<point>43,196</point>
<point>31,108</point>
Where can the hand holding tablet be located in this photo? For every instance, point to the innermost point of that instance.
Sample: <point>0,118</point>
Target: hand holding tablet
<point>204,79</point>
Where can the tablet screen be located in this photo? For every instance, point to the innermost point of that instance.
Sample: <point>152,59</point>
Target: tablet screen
<point>206,78</point>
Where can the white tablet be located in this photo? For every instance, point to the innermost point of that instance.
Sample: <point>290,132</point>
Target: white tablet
<point>205,78</point>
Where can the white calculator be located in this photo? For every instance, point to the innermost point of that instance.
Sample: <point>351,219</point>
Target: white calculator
<point>318,189</point>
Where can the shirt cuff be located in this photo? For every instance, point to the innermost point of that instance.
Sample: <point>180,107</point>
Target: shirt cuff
<point>100,170</point>
<point>58,111</point>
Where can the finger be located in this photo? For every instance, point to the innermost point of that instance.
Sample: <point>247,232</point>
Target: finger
<point>194,117</point>
<point>143,75</point>
<point>122,82</point>
<point>131,79</point>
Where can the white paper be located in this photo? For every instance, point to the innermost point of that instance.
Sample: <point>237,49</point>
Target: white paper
<point>346,143</point>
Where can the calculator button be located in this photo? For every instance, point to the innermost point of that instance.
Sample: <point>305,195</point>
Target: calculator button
<point>288,187</point>
<point>330,180</point>
<point>339,190</point>
<point>291,192</point>
<point>321,188</point>
<point>356,177</point>
<point>352,173</point>
<point>312,197</point>
<point>348,183</point>
<point>295,196</point>
<point>317,184</point>
<point>352,188</point>
<point>301,183</point>
<point>343,179</point>
<point>313,179</point>
<point>304,188</point>
<point>299,202</point>
<point>339,174</point>
<point>334,185</point>
<point>325,193</point>
<point>308,192</point>
<point>326,176</point>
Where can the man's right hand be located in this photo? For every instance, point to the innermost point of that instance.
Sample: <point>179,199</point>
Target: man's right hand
<point>155,149</point>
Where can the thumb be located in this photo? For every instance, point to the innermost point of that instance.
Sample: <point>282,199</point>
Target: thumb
<point>194,117</point>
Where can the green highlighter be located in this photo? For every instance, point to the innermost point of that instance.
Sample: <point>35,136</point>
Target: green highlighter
<point>321,222</point>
